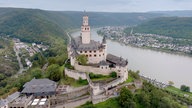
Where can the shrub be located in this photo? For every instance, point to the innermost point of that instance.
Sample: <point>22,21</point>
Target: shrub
<point>113,74</point>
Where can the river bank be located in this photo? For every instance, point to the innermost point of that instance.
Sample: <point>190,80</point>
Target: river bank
<point>151,48</point>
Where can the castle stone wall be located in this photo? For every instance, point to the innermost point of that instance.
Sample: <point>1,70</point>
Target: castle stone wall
<point>95,70</point>
<point>75,74</point>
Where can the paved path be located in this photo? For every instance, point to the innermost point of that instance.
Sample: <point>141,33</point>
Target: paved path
<point>21,69</point>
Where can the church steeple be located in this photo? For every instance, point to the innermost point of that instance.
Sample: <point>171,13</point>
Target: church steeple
<point>85,30</point>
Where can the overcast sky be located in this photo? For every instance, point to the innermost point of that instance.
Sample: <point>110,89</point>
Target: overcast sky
<point>101,5</point>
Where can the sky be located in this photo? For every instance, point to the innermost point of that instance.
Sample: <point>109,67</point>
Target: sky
<point>101,5</point>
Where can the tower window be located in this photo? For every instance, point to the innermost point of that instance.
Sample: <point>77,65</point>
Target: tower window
<point>90,51</point>
<point>85,51</point>
<point>99,55</point>
<point>95,55</point>
<point>90,55</point>
<point>86,55</point>
<point>95,51</point>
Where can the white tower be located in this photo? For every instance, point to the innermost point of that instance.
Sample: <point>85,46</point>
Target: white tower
<point>85,31</point>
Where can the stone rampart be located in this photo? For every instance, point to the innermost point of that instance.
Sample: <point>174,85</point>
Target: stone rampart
<point>75,74</point>
<point>95,70</point>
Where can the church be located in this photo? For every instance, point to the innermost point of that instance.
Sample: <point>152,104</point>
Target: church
<point>99,61</point>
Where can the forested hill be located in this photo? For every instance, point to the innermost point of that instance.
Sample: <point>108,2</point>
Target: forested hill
<point>178,13</point>
<point>28,25</point>
<point>35,25</point>
<point>176,27</point>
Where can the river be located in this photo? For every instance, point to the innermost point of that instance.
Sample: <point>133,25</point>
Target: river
<point>161,66</point>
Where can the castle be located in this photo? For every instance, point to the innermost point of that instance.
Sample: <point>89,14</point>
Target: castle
<point>99,61</point>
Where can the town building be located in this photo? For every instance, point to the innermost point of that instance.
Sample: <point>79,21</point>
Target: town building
<point>40,88</point>
<point>20,102</point>
<point>4,102</point>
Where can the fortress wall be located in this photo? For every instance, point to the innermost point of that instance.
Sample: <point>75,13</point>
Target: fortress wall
<point>75,74</point>
<point>95,70</point>
<point>121,71</point>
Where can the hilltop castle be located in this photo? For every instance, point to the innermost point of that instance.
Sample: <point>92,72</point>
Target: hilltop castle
<point>95,51</point>
<point>99,61</point>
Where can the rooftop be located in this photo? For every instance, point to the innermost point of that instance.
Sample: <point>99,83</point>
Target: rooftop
<point>78,45</point>
<point>3,102</point>
<point>21,100</point>
<point>119,61</point>
<point>39,86</point>
<point>13,96</point>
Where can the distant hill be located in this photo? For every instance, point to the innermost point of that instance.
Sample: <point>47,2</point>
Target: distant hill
<point>176,27</point>
<point>33,25</point>
<point>178,13</point>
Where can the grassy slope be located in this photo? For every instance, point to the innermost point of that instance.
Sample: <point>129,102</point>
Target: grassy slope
<point>176,27</point>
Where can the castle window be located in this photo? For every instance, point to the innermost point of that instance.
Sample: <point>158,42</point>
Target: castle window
<point>87,28</point>
<point>103,54</point>
<point>80,51</point>
<point>95,55</point>
<point>85,51</point>
<point>106,67</point>
<point>94,51</point>
<point>90,51</point>
<point>90,55</point>
<point>101,67</point>
<point>86,55</point>
<point>99,55</point>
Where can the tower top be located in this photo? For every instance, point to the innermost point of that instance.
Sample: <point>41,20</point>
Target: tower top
<point>85,30</point>
<point>85,20</point>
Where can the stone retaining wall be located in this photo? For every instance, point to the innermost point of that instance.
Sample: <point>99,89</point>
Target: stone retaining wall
<point>95,70</point>
<point>75,74</point>
<point>69,96</point>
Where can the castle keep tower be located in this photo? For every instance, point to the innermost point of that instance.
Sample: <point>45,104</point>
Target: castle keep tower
<point>85,31</point>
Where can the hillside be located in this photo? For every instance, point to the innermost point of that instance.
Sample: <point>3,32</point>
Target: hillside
<point>28,25</point>
<point>33,25</point>
<point>176,27</point>
<point>178,13</point>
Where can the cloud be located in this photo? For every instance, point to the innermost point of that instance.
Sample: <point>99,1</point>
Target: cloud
<point>101,5</point>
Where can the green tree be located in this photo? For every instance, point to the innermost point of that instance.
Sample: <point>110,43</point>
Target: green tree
<point>82,59</point>
<point>143,99</point>
<point>113,74</point>
<point>135,75</point>
<point>36,73</point>
<point>2,76</point>
<point>53,72</point>
<point>126,98</point>
<point>185,88</point>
